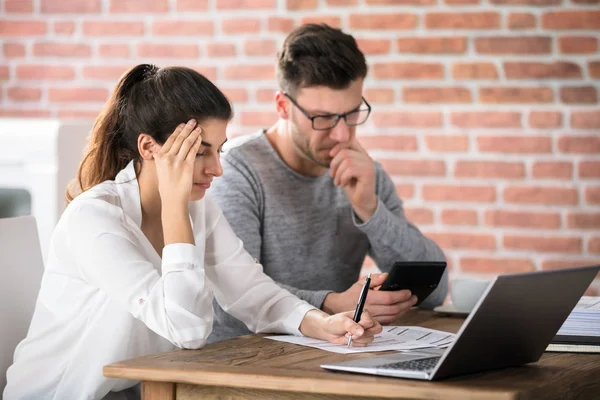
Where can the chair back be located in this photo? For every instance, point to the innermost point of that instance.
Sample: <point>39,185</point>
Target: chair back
<point>21,269</point>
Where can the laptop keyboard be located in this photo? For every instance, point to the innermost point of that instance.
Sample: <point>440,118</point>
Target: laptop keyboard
<point>421,364</point>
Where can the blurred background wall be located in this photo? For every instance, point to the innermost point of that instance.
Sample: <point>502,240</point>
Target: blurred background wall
<point>485,112</point>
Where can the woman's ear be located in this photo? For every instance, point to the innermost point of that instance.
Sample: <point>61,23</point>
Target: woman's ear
<point>282,105</point>
<point>147,146</point>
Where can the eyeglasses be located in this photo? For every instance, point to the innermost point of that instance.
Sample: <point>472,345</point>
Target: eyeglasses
<point>329,121</point>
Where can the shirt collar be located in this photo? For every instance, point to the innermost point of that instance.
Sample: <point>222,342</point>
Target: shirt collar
<point>129,192</point>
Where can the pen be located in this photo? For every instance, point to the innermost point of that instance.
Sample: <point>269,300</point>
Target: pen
<point>361,304</point>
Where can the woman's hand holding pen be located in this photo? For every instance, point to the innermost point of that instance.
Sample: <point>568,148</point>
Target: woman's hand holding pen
<point>337,328</point>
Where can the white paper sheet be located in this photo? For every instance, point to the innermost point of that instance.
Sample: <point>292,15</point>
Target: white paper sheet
<point>397,338</point>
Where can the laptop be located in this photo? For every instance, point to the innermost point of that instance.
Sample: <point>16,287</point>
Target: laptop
<point>512,324</point>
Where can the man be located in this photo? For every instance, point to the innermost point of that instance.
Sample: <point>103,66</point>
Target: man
<point>305,197</point>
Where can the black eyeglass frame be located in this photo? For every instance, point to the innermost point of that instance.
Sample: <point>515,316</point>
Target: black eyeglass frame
<point>339,116</point>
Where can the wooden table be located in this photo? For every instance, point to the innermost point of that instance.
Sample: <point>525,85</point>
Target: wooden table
<point>251,367</point>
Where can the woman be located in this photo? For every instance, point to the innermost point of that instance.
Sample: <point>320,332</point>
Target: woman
<point>138,254</point>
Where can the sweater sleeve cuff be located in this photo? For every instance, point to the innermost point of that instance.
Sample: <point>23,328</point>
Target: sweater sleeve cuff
<point>177,256</point>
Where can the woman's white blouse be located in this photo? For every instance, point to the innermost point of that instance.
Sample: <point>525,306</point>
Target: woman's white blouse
<point>106,295</point>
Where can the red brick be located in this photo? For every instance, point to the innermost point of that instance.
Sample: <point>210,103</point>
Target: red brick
<point>578,95</point>
<point>460,240</point>
<point>514,45</point>
<point>258,118</point>
<point>278,24</point>
<point>115,28</point>
<point>260,47</point>
<point>139,6</point>
<point>401,2</point>
<point>562,264</point>
<point>463,20</point>
<point>22,28</point>
<point>516,95</point>
<point>389,142</point>
<point>459,193</point>
<point>414,167</point>
<point>153,50</point>
<point>594,245</point>
<point>432,45</point>
<point>44,72</point>
<point>192,5</point>
<point>245,4</point>
<point>589,169</point>
<point>461,2</point>
<point>66,28</point>
<point>408,119</point>
<point>380,95</point>
<point>522,219</point>
<point>594,69</point>
<point>78,114</point>
<point>419,215</point>
<point>552,169</point>
<point>581,220</point>
<point>571,19</point>
<point>543,244</point>
<point>486,119</point>
<point>374,46</point>
<point>579,144</point>
<point>105,72</point>
<point>113,50</point>
<point>521,21</point>
<point>545,119</point>
<point>496,265</point>
<point>264,72</point>
<point>333,21</point>
<point>182,28</point>
<point>339,3</point>
<point>54,49</point>
<point>489,169</point>
<point>18,6</point>
<point>57,95</point>
<point>236,95</point>
<point>71,6</point>
<point>447,143</point>
<point>389,21</point>
<point>540,195</point>
<point>23,93</point>
<point>436,95</point>
<point>13,50</point>
<point>240,25</point>
<point>592,195</point>
<point>527,2</point>
<point>408,70</point>
<point>578,44</point>
<point>21,113</point>
<point>265,95</point>
<point>585,119</point>
<point>459,217</point>
<point>209,72</point>
<point>405,191</point>
<point>515,144</point>
<point>539,70</point>
<point>476,70</point>
<point>216,49</point>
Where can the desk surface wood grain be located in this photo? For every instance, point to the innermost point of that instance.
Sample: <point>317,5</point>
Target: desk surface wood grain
<point>252,364</point>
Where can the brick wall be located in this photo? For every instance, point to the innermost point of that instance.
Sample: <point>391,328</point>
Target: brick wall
<point>486,112</point>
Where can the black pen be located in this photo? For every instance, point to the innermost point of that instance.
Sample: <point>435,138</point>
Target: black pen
<point>361,304</point>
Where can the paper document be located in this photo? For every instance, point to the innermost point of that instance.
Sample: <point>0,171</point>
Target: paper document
<point>392,338</point>
<point>584,320</point>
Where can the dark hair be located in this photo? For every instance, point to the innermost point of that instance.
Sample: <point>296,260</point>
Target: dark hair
<point>319,55</point>
<point>149,100</point>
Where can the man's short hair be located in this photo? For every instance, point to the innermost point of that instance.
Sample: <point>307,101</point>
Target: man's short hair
<point>319,55</point>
